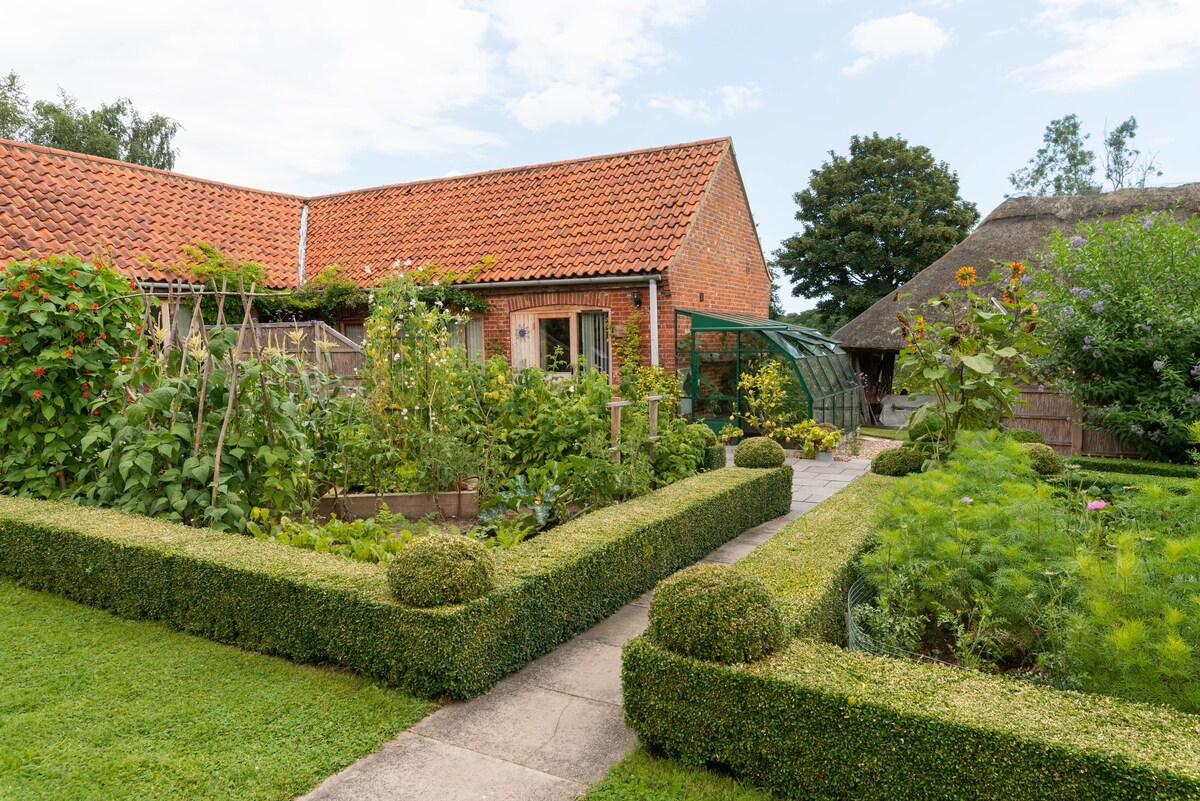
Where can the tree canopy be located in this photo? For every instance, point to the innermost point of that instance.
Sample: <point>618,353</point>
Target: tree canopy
<point>1064,165</point>
<point>871,221</point>
<point>114,130</point>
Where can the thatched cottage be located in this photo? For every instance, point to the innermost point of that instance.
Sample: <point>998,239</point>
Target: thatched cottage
<point>1015,231</point>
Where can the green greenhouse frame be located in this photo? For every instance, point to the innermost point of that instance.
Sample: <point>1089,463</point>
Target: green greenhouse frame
<point>718,346</point>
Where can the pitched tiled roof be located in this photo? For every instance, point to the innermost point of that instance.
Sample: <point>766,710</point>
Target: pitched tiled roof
<point>620,214</point>
<point>53,201</point>
<point>608,215</point>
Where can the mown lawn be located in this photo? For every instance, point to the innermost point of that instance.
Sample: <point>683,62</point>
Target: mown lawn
<point>96,707</point>
<point>641,777</point>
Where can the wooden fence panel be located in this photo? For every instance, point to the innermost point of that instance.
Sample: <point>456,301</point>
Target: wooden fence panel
<point>1056,417</point>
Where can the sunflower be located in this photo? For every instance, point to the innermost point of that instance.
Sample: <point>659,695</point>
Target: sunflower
<point>965,276</point>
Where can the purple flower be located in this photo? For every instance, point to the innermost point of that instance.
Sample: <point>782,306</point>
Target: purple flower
<point>1098,307</point>
<point>1088,340</point>
<point>1041,387</point>
<point>1096,506</point>
<point>1067,311</point>
<point>1195,371</point>
<point>1096,354</point>
<point>1147,221</point>
<point>1143,326</point>
<point>1158,365</point>
<point>967,499</point>
<point>1136,429</point>
<point>1078,241</point>
<point>1193,399</point>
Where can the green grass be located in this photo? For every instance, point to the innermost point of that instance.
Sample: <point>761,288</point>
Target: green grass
<point>641,777</point>
<point>884,433</point>
<point>95,707</point>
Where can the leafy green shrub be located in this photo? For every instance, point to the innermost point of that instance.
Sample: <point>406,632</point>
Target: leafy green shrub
<point>68,328</point>
<point>680,450</point>
<point>440,570</point>
<point>314,607</point>
<point>706,434</point>
<point>929,428</point>
<point>897,462</point>
<point>1024,435</point>
<point>760,452</point>
<point>718,613</point>
<point>1123,327</point>
<point>714,457</point>
<point>1045,459</point>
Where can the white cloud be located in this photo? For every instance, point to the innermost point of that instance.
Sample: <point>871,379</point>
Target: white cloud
<point>724,102</point>
<point>883,38</point>
<point>282,96</point>
<point>568,103</point>
<point>1112,42</point>
<point>572,53</point>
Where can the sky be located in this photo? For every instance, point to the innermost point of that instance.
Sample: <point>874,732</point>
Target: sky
<point>313,97</point>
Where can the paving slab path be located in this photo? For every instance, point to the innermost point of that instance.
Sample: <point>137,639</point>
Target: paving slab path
<point>548,731</point>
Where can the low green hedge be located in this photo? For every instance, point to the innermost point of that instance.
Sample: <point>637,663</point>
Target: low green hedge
<point>816,721</point>
<point>1133,467</point>
<point>316,607</point>
<point>809,564</point>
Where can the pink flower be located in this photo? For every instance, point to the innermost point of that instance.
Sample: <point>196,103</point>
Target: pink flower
<point>967,499</point>
<point>1095,506</point>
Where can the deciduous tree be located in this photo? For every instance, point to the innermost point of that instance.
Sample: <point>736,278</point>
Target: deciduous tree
<point>871,221</point>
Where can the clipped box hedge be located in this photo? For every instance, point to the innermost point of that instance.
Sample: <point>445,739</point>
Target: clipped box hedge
<point>817,721</point>
<point>316,607</point>
<point>1133,467</point>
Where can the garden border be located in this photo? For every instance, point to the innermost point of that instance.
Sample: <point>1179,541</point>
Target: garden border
<point>818,720</point>
<point>316,607</point>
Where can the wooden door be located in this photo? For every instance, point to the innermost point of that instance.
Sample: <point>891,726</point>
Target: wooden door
<point>524,340</point>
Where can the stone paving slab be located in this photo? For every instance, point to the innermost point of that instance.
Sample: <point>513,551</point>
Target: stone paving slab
<point>564,735</point>
<point>416,768</point>
<point>548,730</point>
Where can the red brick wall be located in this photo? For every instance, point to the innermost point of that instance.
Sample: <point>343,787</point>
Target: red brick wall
<point>721,259</point>
<point>617,301</point>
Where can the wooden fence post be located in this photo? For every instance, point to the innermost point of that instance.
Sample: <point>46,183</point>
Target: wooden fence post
<point>616,407</point>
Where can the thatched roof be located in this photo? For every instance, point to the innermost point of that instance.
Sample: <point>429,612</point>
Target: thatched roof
<point>1015,231</point>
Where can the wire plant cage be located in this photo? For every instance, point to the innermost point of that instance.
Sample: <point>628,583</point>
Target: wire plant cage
<point>714,349</point>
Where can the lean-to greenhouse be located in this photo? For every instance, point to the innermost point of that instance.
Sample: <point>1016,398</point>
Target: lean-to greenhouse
<point>714,350</point>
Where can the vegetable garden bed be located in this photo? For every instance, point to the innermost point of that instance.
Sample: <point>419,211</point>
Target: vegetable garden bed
<point>316,607</point>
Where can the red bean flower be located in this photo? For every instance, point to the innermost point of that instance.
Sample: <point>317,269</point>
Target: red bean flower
<point>37,393</point>
<point>39,371</point>
<point>69,354</point>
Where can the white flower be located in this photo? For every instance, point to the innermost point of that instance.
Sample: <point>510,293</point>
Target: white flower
<point>367,270</point>
<point>408,262</point>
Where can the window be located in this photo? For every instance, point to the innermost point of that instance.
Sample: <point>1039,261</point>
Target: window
<point>355,332</point>
<point>554,343</point>
<point>470,335</point>
<point>567,340</point>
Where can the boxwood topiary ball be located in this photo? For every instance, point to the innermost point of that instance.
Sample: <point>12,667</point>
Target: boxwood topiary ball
<point>897,462</point>
<point>1025,435</point>
<point>441,569</point>
<point>718,613</point>
<point>758,452</point>
<point>1044,459</point>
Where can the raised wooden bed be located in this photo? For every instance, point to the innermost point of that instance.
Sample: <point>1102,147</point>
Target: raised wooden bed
<point>463,504</point>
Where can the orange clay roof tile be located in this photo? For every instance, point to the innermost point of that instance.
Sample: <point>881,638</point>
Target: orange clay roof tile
<point>626,213</point>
